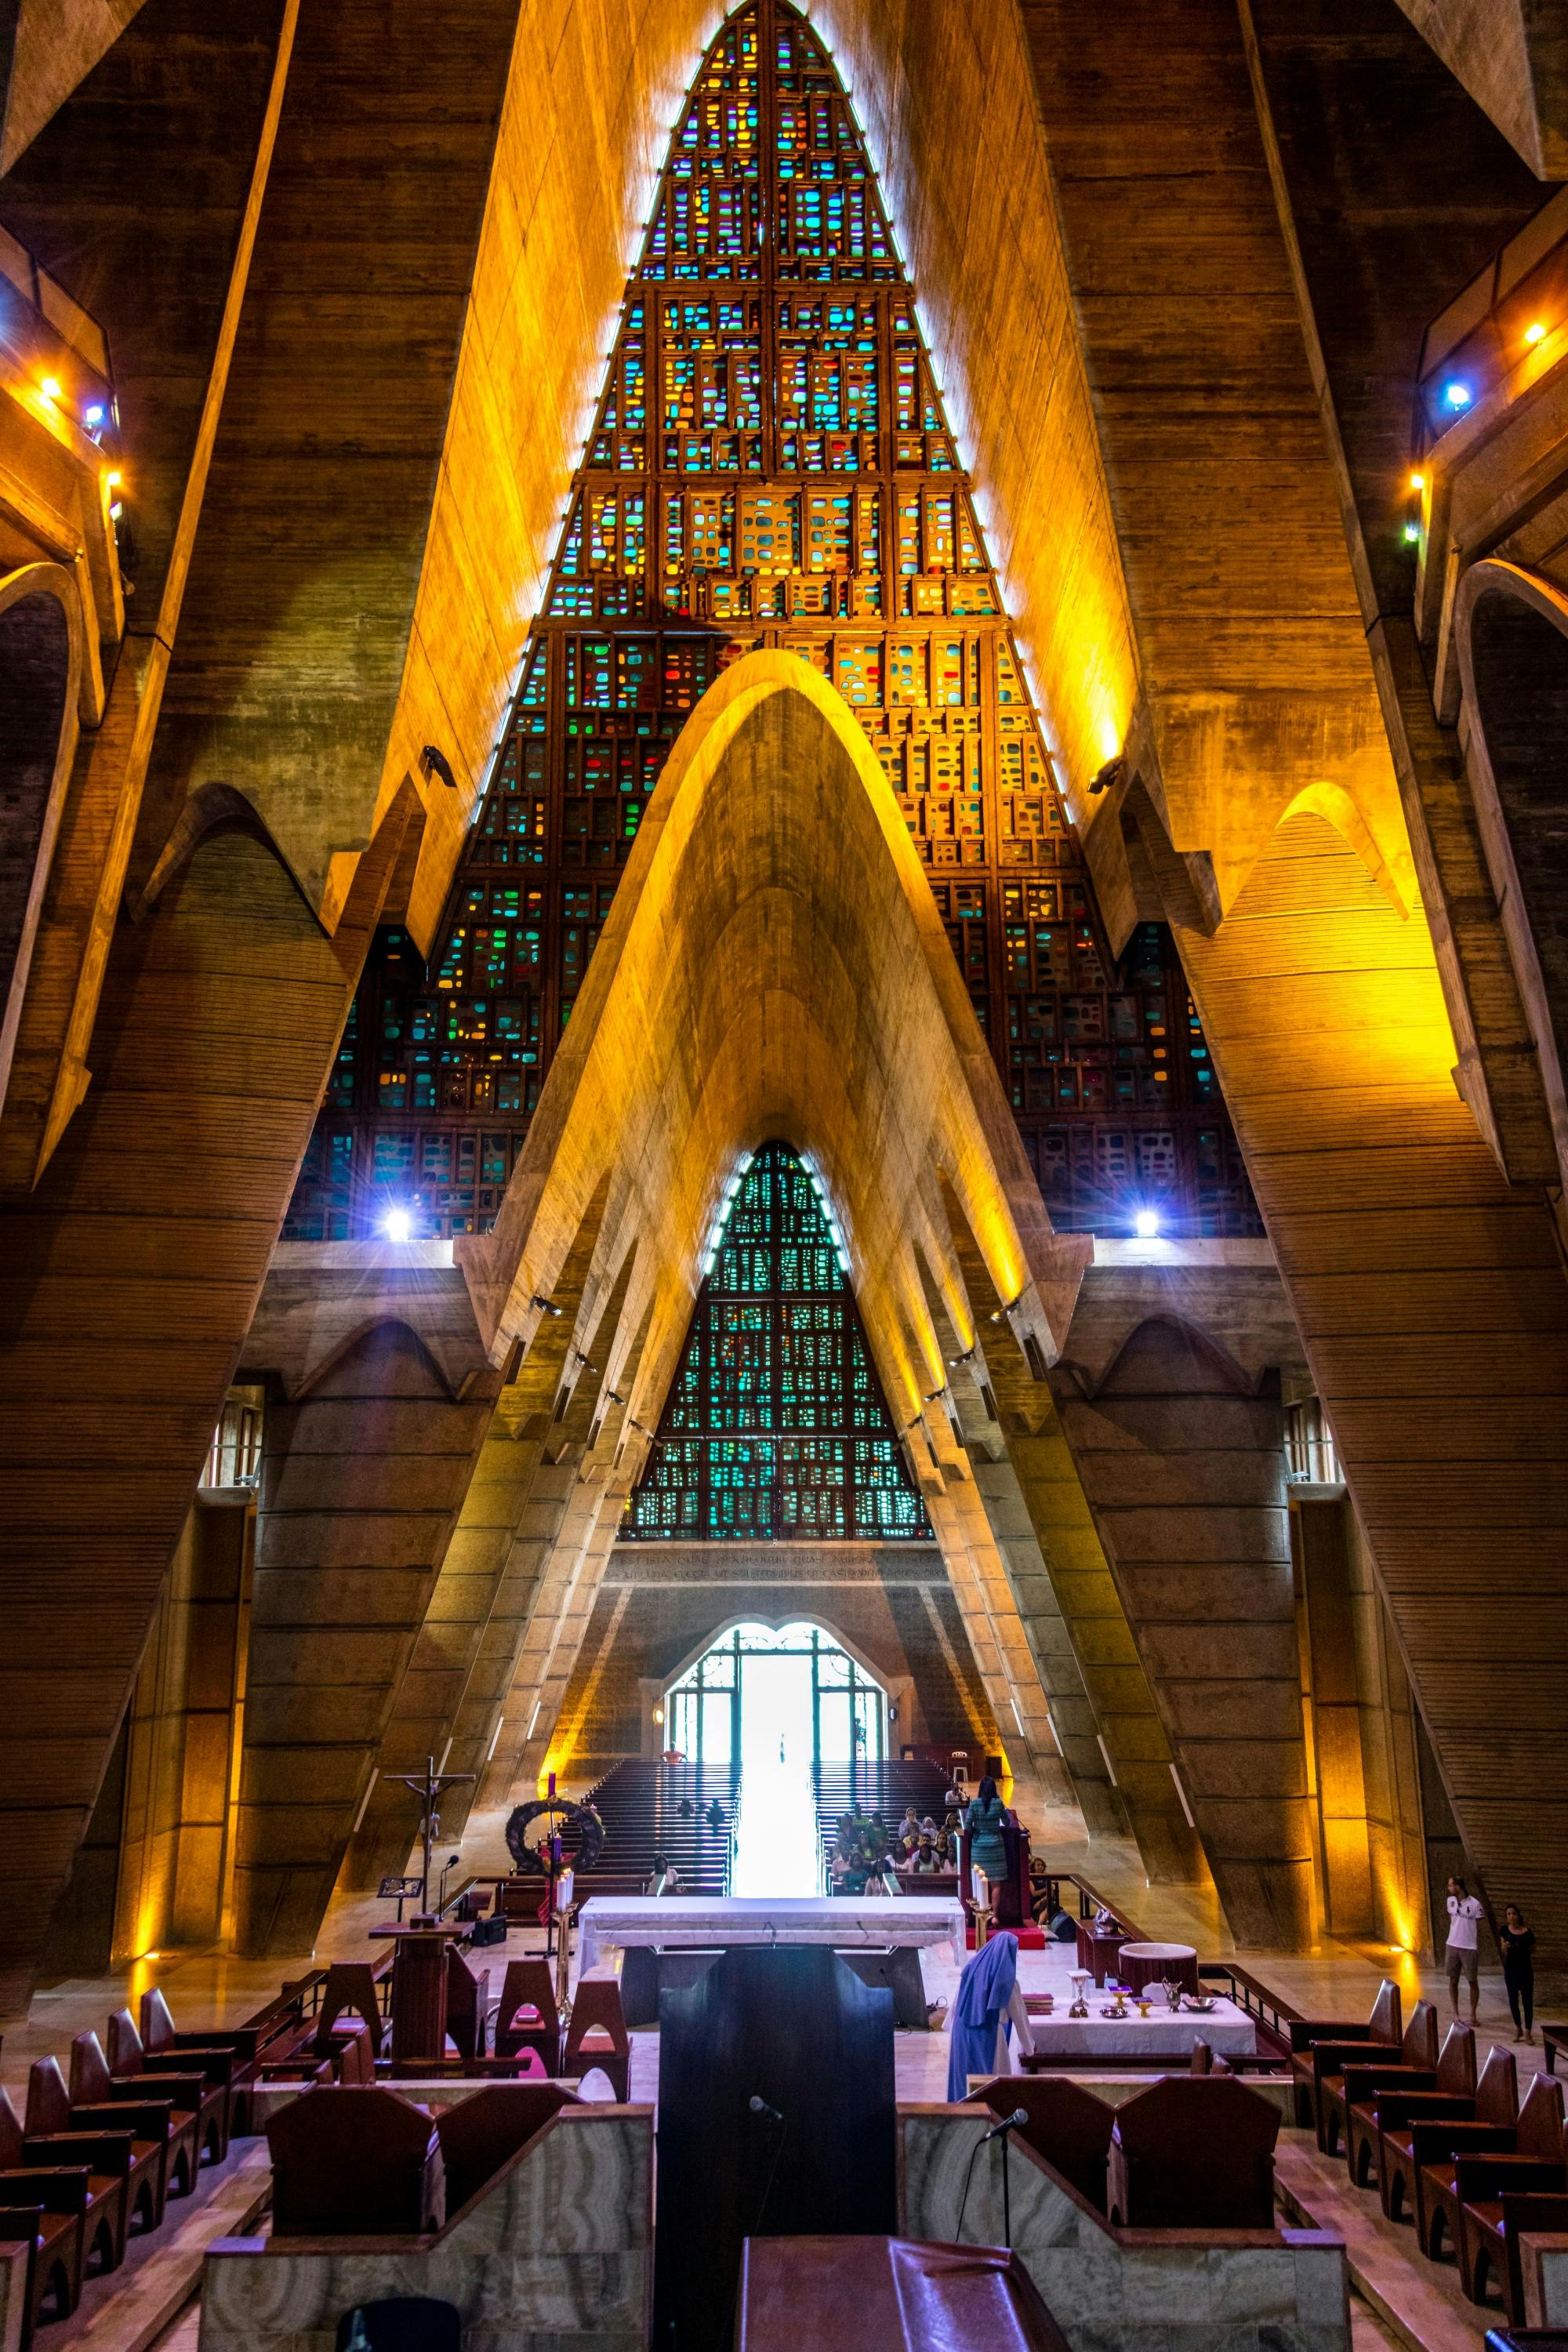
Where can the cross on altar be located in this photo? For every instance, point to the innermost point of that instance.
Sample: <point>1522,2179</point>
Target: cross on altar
<point>429,1786</point>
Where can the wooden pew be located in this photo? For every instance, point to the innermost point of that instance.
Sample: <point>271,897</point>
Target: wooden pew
<point>1384,2027</point>
<point>1339,2067</point>
<point>50,2218</point>
<point>246,2046</point>
<point>129,2062</point>
<point>104,2158</point>
<point>1442,2186</point>
<point>1067,2125</point>
<point>596,2012</point>
<point>146,2128</point>
<point>467,2006</point>
<point>92,2085</point>
<point>349,1990</point>
<point>354,2163</point>
<point>479,2135</point>
<point>1194,2152</point>
<point>1454,2077</point>
<point>1403,2118</point>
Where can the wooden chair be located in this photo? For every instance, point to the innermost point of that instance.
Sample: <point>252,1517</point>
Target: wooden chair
<point>1490,2242</point>
<point>349,1990</point>
<point>354,2163</point>
<point>1454,2077</point>
<point>129,2062</point>
<point>1192,2153</point>
<point>1067,2125</point>
<point>244,2044</point>
<point>467,2006</point>
<point>596,2012</point>
<point>1443,2187</point>
<point>1343,2076</point>
<point>1384,2027</point>
<point>528,2018</point>
<point>103,2156</point>
<point>479,2135</point>
<point>1406,2117</point>
<point>92,2085</point>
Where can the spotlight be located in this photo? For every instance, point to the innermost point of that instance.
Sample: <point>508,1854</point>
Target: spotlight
<point>1535,332</point>
<point>397,1224</point>
<point>932,1394</point>
<point>968,1352</point>
<point>92,417</point>
<point>1147,1224</point>
<point>546,1306</point>
<point>1417,481</point>
<point>1413,534</point>
<point>50,387</point>
<point>112,481</point>
<point>1456,394</point>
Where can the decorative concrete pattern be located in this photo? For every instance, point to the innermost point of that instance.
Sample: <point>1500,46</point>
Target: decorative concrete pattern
<point>1135,2291</point>
<point>558,2249</point>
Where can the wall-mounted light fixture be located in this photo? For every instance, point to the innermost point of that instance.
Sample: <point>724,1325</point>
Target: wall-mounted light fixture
<point>434,762</point>
<point>546,1306</point>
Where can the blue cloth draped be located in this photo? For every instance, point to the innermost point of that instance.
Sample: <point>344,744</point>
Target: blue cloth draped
<point>983,1991</point>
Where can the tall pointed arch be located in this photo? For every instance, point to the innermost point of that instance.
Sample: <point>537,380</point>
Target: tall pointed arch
<point>771,465</point>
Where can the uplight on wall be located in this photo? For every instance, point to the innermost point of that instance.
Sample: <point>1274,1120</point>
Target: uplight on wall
<point>50,388</point>
<point>1535,332</point>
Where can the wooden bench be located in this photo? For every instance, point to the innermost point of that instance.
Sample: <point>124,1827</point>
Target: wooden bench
<point>354,2163</point>
<point>1454,2077</point>
<point>1414,2128</point>
<point>1193,2153</point>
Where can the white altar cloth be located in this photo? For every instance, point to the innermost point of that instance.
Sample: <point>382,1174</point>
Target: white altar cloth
<point>699,1922</point>
<point>1226,2028</point>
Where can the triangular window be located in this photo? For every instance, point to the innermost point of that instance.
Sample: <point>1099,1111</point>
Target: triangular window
<point>775,1428</point>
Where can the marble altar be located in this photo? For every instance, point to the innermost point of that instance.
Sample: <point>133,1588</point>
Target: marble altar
<point>711,1922</point>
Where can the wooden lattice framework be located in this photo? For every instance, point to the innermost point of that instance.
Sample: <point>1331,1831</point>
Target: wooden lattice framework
<point>771,465</point>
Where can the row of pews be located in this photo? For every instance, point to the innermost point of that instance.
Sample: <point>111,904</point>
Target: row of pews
<point>108,2144</point>
<point>1459,2155</point>
<point>100,2154</point>
<point>651,1808</point>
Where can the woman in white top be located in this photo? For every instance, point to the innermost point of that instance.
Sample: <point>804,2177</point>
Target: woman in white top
<point>1465,1914</point>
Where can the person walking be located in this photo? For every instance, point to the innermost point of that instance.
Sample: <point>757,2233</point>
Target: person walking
<point>1518,1942</point>
<point>1465,1915</point>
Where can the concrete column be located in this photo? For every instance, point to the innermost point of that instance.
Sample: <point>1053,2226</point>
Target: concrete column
<point>361,1480</point>
<point>1318,1529</point>
<point>1184,1471</point>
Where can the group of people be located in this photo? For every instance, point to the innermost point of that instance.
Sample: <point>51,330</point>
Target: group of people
<point>866,1853</point>
<point>1516,1942</point>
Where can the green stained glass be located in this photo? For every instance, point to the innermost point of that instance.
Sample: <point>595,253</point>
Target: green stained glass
<point>776,1427</point>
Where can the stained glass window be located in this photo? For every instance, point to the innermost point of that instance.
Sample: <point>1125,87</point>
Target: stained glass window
<point>775,1427</point>
<point>771,465</point>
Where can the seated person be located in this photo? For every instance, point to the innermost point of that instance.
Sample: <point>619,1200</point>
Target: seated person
<point>925,1861</point>
<point>666,1879</point>
<point>685,1809</point>
<point>910,1827</point>
<point>714,1816</point>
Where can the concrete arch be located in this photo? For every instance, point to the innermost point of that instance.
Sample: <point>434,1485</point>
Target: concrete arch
<point>42,669</point>
<point>1510,634</point>
<point>773,846</point>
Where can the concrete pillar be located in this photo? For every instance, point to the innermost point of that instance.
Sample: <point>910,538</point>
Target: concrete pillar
<point>1184,1470</point>
<point>361,1479</point>
<point>1318,1529</point>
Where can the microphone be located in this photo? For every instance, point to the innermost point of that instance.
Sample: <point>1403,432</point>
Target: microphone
<point>1009,2123</point>
<point>760,2107</point>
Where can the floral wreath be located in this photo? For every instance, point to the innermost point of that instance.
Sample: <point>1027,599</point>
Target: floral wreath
<point>531,1827</point>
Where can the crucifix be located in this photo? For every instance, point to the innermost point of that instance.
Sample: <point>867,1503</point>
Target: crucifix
<point>429,1787</point>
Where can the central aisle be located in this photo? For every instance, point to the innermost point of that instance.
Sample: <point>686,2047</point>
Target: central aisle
<point>776,1826</point>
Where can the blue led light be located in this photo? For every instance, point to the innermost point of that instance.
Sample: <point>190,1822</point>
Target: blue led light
<point>1456,394</point>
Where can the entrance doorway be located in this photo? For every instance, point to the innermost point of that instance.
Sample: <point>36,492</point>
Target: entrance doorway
<point>778,1701</point>
<point>760,1684</point>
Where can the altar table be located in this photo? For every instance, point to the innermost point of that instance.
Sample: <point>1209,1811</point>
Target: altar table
<point>1228,2029</point>
<point>673,1923</point>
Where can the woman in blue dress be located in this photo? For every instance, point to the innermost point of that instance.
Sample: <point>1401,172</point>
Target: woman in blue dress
<point>988,2007</point>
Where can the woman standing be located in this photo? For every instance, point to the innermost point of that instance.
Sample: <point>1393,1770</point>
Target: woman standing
<point>985,1823</point>
<point>988,2007</point>
<point>1518,1942</point>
